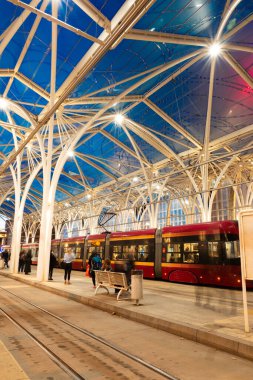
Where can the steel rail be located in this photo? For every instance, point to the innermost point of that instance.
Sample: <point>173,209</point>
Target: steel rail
<point>55,358</point>
<point>99,339</point>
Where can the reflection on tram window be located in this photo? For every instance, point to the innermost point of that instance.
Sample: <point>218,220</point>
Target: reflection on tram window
<point>173,257</point>
<point>232,249</point>
<point>78,252</point>
<point>140,250</point>
<point>96,247</point>
<point>213,251</point>
<point>172,252</point>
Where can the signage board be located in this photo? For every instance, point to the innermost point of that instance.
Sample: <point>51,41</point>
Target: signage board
<point>246,242</point>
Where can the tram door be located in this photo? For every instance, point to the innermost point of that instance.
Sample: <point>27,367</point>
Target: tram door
<point>158,254</point>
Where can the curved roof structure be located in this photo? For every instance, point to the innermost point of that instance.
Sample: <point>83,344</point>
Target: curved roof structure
<point>115,92</point>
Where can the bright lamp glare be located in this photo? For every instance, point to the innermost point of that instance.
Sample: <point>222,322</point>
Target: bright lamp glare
<point>214,50</point>
<point>88,196</point>
<point>3,103</point>
<point>119,118</point>
<point>70,153</point>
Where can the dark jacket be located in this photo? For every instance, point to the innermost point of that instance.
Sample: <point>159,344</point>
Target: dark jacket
<point>5,256</point>
<point>53,260</point>
<point>28,262</point>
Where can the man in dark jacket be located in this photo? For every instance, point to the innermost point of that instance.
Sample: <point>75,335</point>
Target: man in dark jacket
<point>5,256</point>
<point>52,264</point>
<point>28,262</point>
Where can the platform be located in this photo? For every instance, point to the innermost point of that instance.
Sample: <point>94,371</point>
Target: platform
<point>211,316</point>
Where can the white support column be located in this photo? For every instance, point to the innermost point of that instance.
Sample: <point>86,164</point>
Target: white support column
<point>48,194</point>
<point>205,185</point>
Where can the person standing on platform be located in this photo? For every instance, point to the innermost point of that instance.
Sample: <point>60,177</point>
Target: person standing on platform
<point>28,262</point>
<point>68,258</point>
<point>93,254</point>
<point>96,264</point>
<point>5,256</point>
<point>21,262</point>
<point>52,264</point>
<point>129,266</point>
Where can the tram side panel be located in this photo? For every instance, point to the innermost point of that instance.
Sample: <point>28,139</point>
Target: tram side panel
<point>204,253</point>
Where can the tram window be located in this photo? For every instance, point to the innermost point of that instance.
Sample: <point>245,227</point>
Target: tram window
<point>173,248</point>
<point>143,253</point>
<point>213,251</point>
<point>94,247</point>
<point>173,257</point>
<point>129,249</point>
<point>232,249</point>
<point>191,247</point>
<point>78,252</point>
<point>172,253</point>
<point>116,252</point>
<point>191,253</point>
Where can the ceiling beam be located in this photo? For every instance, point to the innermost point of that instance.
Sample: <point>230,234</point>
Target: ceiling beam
<point>170,38</point>
<point>94,13</point>
<point>238,68</point>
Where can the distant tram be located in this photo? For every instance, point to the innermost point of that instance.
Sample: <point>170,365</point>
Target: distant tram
<point>203,253</point>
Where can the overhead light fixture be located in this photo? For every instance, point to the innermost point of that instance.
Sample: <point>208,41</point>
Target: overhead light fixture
<point>119,118</point>
<point>3,103</point>
<point>214,50</point>
<point>70,153</point>
<point>8,199</point>
<point>88,196</point>
<point>152,29</point>
<point>135,179</point>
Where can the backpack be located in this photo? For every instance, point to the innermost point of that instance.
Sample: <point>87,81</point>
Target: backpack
<point>96,263</point>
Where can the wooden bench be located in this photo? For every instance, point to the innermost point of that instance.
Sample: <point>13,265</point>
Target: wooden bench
<point>115,280</point>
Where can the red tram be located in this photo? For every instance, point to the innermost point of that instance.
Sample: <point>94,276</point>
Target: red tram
<point>203,253</point>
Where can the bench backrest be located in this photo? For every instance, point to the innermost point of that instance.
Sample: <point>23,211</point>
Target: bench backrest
<point>111,278</point>
<point>118,279</point>
<point>102,277</point>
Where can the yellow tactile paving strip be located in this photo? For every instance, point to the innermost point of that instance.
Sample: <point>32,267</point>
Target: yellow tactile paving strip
<point>9,367</point>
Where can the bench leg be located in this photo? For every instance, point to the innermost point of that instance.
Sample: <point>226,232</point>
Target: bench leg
<point>119,293</point>
<point>101,286</point>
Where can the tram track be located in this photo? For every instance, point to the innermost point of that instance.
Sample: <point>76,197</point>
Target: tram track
<point>56,357</point>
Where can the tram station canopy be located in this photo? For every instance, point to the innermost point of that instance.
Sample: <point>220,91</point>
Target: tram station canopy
<point>105,95</point>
